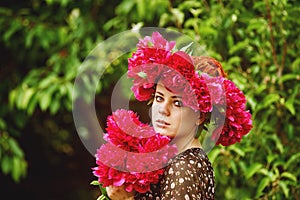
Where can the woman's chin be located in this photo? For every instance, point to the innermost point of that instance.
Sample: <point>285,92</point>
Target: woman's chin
<point>165,133</point>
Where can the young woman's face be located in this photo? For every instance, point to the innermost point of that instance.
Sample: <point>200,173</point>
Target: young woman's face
<point>169,116</point>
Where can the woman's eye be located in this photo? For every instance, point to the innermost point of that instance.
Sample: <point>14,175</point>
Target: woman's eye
<point>158,98</point>
<point>178,103</point>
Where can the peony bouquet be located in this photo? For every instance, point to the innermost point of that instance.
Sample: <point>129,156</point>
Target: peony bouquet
<point>134,155</point>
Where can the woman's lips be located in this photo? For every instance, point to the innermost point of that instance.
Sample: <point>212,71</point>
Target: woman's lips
<point>161,123</point>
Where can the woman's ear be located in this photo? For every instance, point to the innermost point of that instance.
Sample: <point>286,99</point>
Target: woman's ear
<point>201,119</point>
<point>200,123</point>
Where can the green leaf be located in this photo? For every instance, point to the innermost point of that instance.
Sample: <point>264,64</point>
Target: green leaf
<point>293,159</point>
<point>12,97</point>
<point>255,167</point>
<point>103,197</point>
<point>3,125</point>
<point>95,182</point>
<point>213,154</point>
<point>48,81</point>
<point>44,100</point>
<point>284,188</point>
<point>54,106</point>
<point>141,8</point>
<point>125,7</point>
<point>185,48</point>
<point>32,104</point>
<point>287,77</point>
<point>237,150</point>
<point>15,148</point>
<point>261,88</point>
<point>142,74</point>
<point>295,65</point>
<point>268,100</point>
<point>49,2</point>
<point>29,38</point>
<point>16,169</point>
<point>233,166</point>
<point>239,47</point>
<point>6,164</point>
<point>271,158</point>
<point>235,60</point>
<point>27,94</point>
<point>178,15</point>
<point>14,27</point>
<point>289,104</point>
<point>164,19</point>
<point>19,98</point>
<point>103,190</point>
<point>278,142</point>
<point>262,185</point>
<point>19,167</point>
<point>289,176</point>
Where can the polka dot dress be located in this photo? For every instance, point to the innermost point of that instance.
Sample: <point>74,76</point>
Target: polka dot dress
<point>188,176</point>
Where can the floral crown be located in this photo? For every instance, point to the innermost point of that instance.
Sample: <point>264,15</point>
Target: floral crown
<point>154,60</point>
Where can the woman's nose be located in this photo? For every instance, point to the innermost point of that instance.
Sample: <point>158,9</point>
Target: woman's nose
<point>164,109</point>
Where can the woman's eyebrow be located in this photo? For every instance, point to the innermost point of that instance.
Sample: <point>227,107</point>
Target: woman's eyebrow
<point>176,97</point>
<point>160,93</point>
<point>173,97</point>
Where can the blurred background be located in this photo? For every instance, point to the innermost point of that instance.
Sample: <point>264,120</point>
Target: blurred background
<point>43,43</point>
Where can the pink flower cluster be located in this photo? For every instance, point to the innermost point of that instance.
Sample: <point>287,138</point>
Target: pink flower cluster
<point>134,155</point>
<point>237,120</point>
<point>154,61</point>
<point>148,65</point>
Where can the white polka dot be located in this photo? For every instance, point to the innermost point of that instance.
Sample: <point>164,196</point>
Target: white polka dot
<point>172,185</point>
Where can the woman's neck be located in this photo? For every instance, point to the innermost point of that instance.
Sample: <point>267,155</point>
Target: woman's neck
<point>184,145</point>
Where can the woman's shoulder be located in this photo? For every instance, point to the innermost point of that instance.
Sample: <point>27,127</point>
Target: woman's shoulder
<point>193,160</point>
<point>191,155</point>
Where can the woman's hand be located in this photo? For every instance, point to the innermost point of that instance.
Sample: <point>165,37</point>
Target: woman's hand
<point>119,193</point>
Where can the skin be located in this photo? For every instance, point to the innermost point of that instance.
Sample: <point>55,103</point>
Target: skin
<point>169,118</point>
<point>119,193</point>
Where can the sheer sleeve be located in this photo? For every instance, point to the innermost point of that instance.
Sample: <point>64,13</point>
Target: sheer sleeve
<point>189,176</point>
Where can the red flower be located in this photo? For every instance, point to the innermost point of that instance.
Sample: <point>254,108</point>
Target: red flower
<point>156,41</point>
<point>183,63</point>
<point>237,121</point>
<point>134,155</point>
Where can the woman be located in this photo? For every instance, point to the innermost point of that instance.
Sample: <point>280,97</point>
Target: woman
<point>180,109</point>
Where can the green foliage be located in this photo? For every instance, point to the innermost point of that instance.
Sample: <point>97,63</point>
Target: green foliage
<point>44,44</point>
<point>103,195</point>
<point>12,157</point>
<point>257,42</point>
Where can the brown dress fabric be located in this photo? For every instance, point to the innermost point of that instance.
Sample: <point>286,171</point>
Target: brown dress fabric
<point>188,176</point>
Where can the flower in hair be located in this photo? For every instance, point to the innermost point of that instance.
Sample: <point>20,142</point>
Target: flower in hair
<point>154,60</point>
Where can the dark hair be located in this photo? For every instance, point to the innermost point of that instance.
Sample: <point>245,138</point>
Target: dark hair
<point>212,67</point>
<point>208,65</point>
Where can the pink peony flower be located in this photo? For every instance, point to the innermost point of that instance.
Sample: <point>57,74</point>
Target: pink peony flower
<point>134,155</point>
<point>156,41</point>
<point>238,121</point>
